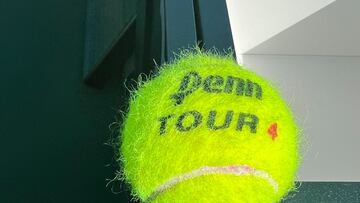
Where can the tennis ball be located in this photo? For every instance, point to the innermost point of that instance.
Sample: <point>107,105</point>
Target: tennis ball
<point>204,129</point>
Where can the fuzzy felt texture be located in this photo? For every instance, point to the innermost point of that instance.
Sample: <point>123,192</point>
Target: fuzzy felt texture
<point>204,129</point>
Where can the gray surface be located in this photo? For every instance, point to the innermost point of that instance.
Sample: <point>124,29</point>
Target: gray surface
<point>256,21</point>
<point>334,30</point>
<point>324,93</point>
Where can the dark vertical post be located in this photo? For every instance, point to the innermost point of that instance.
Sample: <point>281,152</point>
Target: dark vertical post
<point>180,27</point>
<point>149,35</point>
<point>163,27</point>
<point>213,24</point>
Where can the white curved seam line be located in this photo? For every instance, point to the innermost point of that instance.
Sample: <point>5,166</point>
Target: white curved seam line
<point>227,170</point>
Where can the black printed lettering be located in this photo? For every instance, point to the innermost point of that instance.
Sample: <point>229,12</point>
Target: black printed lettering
<point>190,83</point>
<point>249,120</point>
<point>212,120</point>
<point>250,86</point>
<point>163,122</point>
<point>197,119</point>
<point>240,85</point>
<point>213,84</point>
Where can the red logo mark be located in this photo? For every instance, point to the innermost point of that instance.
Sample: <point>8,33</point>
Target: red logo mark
<point>273,131</point>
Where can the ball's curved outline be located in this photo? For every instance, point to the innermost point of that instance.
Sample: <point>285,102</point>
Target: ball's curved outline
<point>216,60</point>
